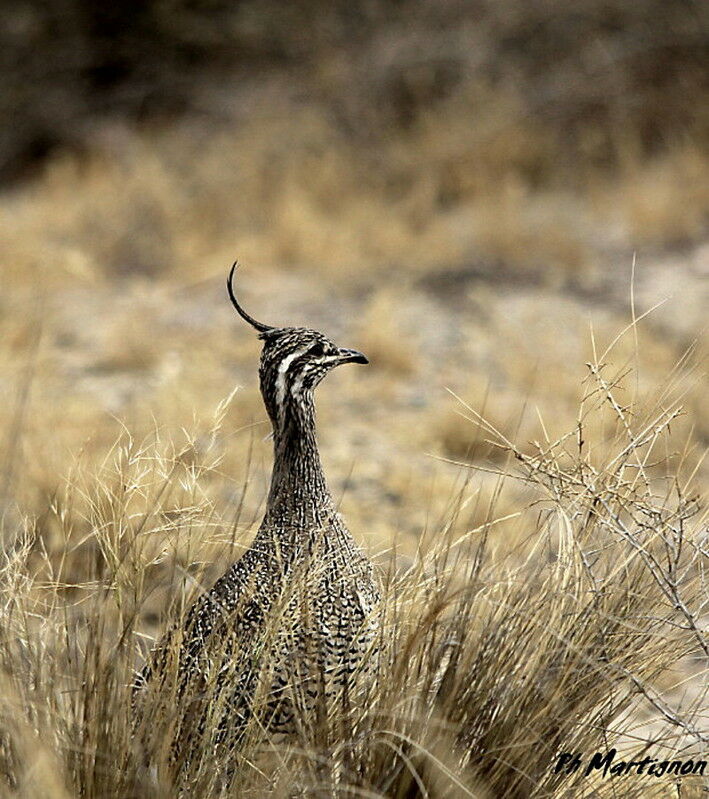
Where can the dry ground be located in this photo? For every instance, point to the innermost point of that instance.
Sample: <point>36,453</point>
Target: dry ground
<point>114,312</point>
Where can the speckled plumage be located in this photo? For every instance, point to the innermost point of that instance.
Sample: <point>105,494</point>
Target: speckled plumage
<point>296,616</point>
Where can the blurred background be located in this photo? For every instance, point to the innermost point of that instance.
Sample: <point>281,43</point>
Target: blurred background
<point>459,189</point>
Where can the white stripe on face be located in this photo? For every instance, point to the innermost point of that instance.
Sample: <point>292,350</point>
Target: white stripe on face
<point>281,379</point>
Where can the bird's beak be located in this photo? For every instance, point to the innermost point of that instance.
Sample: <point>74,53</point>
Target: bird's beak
<point>350,356</point>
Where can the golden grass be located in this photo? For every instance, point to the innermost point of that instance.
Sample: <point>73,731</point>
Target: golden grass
<point>497,653</point>
<point>540,594</point>
<point>474,177</point>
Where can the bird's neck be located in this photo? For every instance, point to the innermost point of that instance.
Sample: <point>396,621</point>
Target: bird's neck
<point>298,487</point>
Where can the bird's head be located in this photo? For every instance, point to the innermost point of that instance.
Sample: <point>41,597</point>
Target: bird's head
<point>293,362</point>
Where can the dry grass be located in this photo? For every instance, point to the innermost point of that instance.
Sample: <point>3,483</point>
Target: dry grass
<point>470,224</point>
<point>494,656</point>
<point>475,179</point>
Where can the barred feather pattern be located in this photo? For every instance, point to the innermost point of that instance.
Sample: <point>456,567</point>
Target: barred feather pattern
<point>294,620</point>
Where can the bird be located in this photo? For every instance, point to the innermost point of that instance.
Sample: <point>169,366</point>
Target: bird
<point>294,621</point>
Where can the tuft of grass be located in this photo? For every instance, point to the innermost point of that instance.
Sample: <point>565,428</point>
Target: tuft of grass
<point>582,633</point>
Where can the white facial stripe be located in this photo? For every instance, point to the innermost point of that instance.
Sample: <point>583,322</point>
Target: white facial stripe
<point>281,379</point>
<point>298,384</point>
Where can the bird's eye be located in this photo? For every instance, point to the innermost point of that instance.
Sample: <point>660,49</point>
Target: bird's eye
<point>317,349</point>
